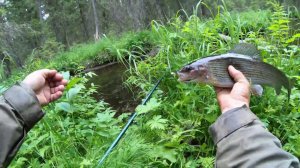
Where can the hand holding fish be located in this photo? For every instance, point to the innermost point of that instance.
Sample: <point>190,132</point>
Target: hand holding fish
<point>213,70</point>
<point>236,96</point>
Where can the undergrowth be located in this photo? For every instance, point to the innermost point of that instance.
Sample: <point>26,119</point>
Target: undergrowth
<point>180,122</point>
<point>172,129</point>
<point>82,56</point>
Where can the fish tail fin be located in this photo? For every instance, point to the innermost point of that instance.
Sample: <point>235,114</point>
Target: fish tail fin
<point>278,89</point>
<point>290,86</point>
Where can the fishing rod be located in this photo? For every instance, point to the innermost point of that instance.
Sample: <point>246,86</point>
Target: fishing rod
<point>115,142</point>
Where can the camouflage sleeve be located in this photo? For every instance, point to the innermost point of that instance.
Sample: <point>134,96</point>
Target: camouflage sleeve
<point>19,111</point>
<point>243,141</point>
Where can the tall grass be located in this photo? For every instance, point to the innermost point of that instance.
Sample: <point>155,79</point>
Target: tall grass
<point>188,109</point>
<point>172,130</point>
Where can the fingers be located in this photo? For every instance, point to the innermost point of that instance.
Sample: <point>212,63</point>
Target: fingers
<point>59,88</point>
<point>62,82</point>
<point>237,75</point>
<point>222,93</point>
<point>55,96</point>
<point>54,78</point>
<point>241,88</point>
<point>51,74</point>
<point>58,77</point>
<point>238,95</point>
<point>57,84</point>
<point>220,90</point>
<point>56,92</point>
<point>47,73</point>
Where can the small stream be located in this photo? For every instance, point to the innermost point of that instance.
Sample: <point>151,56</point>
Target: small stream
<point>111,89</point>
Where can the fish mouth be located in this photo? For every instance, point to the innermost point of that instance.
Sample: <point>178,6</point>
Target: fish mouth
<point>182,77</point>
<point>185,80</point>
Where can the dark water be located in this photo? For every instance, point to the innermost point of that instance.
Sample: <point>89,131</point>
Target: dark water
<point>112,90</point>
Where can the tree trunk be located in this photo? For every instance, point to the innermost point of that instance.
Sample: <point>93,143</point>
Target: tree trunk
<point>96,35</point>
<point>83,21</point>
<point>39,10</point>
<point>38,4</point>
<point>65,32</point>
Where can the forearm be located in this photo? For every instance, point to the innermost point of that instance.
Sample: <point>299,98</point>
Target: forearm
<point>242,141</point>
<point>19,111</point>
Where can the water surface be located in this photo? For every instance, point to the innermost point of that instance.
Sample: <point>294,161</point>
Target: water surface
<point>111,88</point>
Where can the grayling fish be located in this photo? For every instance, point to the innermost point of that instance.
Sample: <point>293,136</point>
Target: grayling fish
<point>244,57</point>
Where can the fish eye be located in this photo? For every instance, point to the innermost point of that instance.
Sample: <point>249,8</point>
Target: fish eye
<point>187,68</point>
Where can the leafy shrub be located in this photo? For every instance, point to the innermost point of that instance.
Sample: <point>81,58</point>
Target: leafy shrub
<point>181,121</point>
<point>75,130</point>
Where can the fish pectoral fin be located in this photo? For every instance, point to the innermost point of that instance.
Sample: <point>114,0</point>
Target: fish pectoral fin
<point>257,90</point>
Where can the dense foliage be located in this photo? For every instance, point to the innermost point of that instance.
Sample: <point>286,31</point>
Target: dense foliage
<point>180,122</point>
<point>172,129</point>
<point>44,27</point>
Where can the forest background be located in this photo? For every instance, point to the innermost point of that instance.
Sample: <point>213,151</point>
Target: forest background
<point>45,27</point>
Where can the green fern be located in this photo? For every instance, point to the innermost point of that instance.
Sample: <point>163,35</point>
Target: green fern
<point>279,24</point>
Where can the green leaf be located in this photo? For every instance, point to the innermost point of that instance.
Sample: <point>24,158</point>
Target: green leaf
<point>162,152</point>
<point>90,74</point>
<point>73,82</point>
<point>66,75</point>
<point>105,117</point>
<point>64,106</point>
<point>104,134</point>
<point>73,92</point>
<point>293,38</point>
<point>85,162</point>
<point>151,105</point>
<point>157,123</point>
<point>40,139</point>
<point>173,35</point>
<point>43,150</point>
<point>206,162</point>
<point>20,161</point>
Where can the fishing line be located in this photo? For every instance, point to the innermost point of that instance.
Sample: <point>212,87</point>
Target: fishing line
<point>115,142</point>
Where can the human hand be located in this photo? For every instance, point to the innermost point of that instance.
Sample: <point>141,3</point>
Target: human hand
<point>236,96</point>
<point>48,85</point>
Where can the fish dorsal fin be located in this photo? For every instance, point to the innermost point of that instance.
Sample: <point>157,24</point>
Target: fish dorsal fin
<point>246,49</point>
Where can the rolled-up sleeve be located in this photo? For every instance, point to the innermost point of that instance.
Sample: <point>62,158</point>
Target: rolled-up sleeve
<point>243,141</point>
<point>19,112</point>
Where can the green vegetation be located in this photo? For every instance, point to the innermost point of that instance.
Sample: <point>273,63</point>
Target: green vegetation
<point>172,129</point>
<point>87,55</point>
